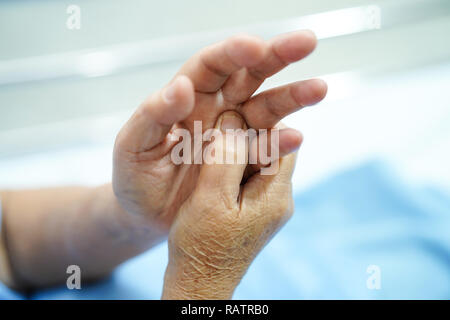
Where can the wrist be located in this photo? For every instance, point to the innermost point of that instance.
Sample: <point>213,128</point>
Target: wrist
<point>193,289</point>
<point>189,281</point>
<point>131,226</point>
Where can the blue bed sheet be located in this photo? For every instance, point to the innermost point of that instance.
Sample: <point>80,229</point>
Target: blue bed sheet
<point>362,217</point>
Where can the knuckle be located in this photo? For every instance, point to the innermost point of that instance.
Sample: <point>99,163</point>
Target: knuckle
<point>281,211</point>
<point>290,210</point>
<point>215,204</point>
<point>284,209</point>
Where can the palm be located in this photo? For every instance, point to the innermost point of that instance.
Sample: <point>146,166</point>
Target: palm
<point>224,77</point>
<point>178,181</point>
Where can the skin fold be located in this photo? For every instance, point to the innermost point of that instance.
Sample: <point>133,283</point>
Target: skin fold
<point>151,198</point>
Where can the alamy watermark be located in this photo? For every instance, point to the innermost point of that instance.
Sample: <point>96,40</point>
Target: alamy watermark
<point>373,282</point>
<point>241,147</point>
<point>74,280</point>
<point>73,21</point>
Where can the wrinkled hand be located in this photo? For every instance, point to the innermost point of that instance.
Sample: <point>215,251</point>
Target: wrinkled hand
<point>221,77</point>
<point>223,225</point>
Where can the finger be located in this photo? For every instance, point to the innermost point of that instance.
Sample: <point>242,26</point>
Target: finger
<point>154,118</point>
<point>268,198</point>
<point>223,176</point>
<point>268,188</point>
<point>269,107</point>
<point>210,68</point>
<point>279,143</point>
<point>283,50</point>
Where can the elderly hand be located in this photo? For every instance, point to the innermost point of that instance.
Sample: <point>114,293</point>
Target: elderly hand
<point>221,77</point>
<point>223,224</point>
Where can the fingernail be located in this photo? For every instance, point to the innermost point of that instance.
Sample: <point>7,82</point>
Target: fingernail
<point>170,91</point>
<point>232,121</point>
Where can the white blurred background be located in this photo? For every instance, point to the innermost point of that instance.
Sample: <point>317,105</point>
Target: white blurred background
<point>64,94</point>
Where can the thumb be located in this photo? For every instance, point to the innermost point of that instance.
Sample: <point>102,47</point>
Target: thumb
<point>225,159</point>
<point>153,120</point>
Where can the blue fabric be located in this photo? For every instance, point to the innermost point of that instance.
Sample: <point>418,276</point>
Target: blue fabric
<point>8,294</point>
<point>5,292</point>
<point>364,216</point>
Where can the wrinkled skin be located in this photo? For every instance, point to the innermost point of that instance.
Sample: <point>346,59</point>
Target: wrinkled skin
<point>221,77</point>
<point>220,216</point>
<point>215,238</point>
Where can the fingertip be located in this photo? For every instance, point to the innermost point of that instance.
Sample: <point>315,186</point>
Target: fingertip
<point>319,88</point>
<point>293,46</point>
<point>178,90</point>
<point>246,50</point>
<point>230,120</point>
<point>309,33</point>
<point>290,140</point>
<point>309,92</point>
<point>179,98</point>
<point>297,137</point>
